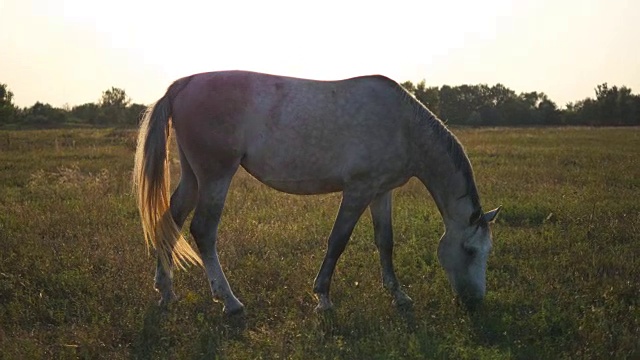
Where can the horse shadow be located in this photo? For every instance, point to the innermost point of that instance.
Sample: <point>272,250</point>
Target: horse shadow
<point>514,327</point>
<point>149,339</point>
<point>157,333</point>
<point>510,327</point>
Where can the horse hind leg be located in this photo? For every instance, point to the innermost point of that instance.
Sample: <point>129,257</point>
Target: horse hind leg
<point>380,209</point>
<point>204,228</point>
<point>183,201</point>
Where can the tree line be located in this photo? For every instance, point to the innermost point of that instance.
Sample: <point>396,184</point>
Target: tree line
<point>473,105</point>
<point>114,108</point>
<point>497,105</point>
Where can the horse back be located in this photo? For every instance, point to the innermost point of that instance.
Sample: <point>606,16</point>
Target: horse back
<point>317,134</point>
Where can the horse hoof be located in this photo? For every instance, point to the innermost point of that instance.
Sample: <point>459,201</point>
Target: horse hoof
<point>324,304</point>
<point>322,308</point>
<point>235,309</point>
<point>167,299</point>
<point>402,300</point>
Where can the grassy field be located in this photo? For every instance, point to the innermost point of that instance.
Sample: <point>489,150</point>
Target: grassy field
<point>563,280</point>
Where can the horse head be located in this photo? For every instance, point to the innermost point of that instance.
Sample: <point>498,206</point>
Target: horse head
<point>463,252</point>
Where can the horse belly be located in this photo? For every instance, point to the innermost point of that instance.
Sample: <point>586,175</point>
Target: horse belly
<point>304,186</point>
<point>293,175</point>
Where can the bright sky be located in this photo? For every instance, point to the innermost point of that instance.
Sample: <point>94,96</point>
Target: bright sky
<point>70,51</point>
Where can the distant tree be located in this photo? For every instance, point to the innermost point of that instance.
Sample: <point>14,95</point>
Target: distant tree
<point>477,99</point>
<point>429,96</point>
<point>569,115</point>
<point>7,109</point>
<point>115,97</point>
<point>548,112</point>
<point>89,113</point>
<point>632,114</point>
<point>628,107</point>
<point>450,108</point>
<point>408,85</point>
<point>617,106</point>
<point>134,114</point>
<point>537,109</point>
<point>467,104</point>
<point>514,111</point>
<point>612,106</point>
<point>113,104</point>
<point>43,115</point>
<point>508,107</point>
<point>607,104</point>
<point>500,94</point>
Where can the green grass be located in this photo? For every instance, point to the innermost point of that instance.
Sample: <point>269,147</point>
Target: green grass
<point>563,280</point>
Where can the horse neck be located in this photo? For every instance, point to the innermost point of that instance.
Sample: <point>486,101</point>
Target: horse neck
<point>444,169</point>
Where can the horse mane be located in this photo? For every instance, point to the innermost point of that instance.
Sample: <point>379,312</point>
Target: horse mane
<point>452,146</point>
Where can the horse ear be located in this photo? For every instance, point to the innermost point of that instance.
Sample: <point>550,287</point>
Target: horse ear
<point>490,216</point>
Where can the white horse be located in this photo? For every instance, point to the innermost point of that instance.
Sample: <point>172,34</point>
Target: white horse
<point>363,136</point>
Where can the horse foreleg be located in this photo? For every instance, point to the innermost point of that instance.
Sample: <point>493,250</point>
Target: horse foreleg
<point>350,210</point>
<point>204,229</point>
<point>383,232</point>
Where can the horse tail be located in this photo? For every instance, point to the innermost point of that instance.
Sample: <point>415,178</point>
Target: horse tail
<point>151,183</point>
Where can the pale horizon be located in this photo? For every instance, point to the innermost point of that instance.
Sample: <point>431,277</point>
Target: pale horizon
<point>69,52</point>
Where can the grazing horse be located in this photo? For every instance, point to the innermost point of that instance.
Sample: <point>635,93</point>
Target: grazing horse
<point>363,136</point>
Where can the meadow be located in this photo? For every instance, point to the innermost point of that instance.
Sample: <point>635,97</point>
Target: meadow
<point>76,280</point>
